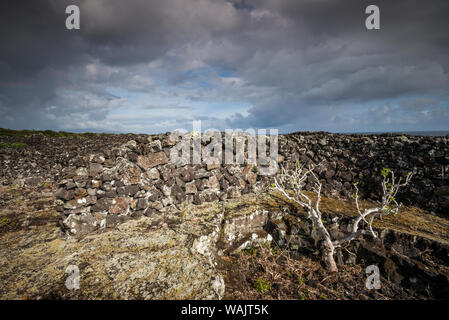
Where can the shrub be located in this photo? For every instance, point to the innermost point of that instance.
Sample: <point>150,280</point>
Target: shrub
<point>295,180</point>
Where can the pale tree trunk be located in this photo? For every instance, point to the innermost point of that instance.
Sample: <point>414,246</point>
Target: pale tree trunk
<point>327,248</point>
<point>296,179</point>
<point>327,252</point>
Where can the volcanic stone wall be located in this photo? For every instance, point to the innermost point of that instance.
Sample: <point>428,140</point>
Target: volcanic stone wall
<point>347,159</point>
<point>136,178</point>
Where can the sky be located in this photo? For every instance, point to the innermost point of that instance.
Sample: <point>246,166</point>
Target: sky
<point>146,66</point>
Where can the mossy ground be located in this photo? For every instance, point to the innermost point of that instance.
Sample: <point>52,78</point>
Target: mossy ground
<point>35,253</point>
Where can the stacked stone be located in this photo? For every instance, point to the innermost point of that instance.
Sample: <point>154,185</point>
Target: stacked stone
<point>346,159</point>
<point>137,178</point>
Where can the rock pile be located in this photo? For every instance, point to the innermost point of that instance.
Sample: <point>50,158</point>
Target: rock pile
<point>137,178</point>
<point>106,179</point>
<point>350,158</point>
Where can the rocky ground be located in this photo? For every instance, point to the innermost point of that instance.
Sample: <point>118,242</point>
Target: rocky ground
<point>203,253</point>
<point>412,256</point>
<point>253,246</point>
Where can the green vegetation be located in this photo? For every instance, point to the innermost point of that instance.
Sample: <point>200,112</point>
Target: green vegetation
<point>23,133</point>
<point>15,145</point>
<point>252,251</point>
<point>261,285</point>
<point>48,133</point>
<point>13,191</point>
<point>18,145</point>
<point>301,280</point>
<point>46,185</point>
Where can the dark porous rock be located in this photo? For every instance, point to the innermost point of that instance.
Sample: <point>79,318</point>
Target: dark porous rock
<point>130,175</point>
<point>131,190</point>
<point>95,169</point>
<point>178,193</point>
<point>224,184</point>
<point>80,181</point>
<point>132,156</point>
<point>101,168</point>
<point>197,199</point>
<point>70,185</point>
<point>442,191</point>
<point>150,212</point>
<point>199,184</point>
<point>34,181</point>
<point>80,225</point>
<point>112,193</point>
<point>157,205</point>
<point>251,177</point>
<point>202,173</point>
<point>78,211</point>
<point>112,220</point>
<point>108,175</point>
<point>100,193</point>
<point>233,192</point>
<point>212,183</point>
<point>98,158</point>
<point>90,200</point>
<point>167,172</point>
<point>81,171</point>
<point>153,174</point>
<point>137,214</point>
<point>187,174</point>
<point>120,205</point>
<point>152,160</point>
<point>106,186</point>
<point>118,183</point>
<point>171,181</point>
<point>94,183</point>
<point>154,195</point>
<point>329,174</point>
<point>179,182</point>
<point>102,204</point>
<point>109,163</point>
<point>191,188</point>
<point>213,165</point>
<point>208,196</point>
<point>155,146</point>
<point>62,193</point>
<point>346,176</point>
<point>142,204</point>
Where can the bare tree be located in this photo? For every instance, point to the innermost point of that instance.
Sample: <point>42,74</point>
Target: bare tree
<point>290,183</point>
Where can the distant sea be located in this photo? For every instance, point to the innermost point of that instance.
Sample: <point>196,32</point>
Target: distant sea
<point>412,133</point>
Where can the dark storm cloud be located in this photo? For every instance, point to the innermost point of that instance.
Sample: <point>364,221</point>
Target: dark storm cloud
<point>296,65</point>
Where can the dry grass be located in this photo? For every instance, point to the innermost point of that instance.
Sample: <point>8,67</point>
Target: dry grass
<point>288,274</point>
